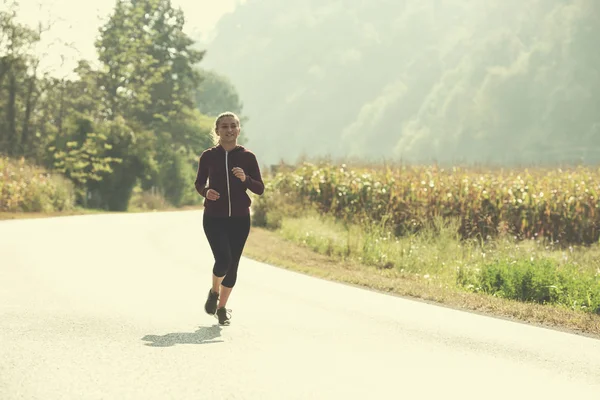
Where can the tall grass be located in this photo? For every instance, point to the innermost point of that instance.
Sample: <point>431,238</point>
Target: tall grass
<point>28,188</point>
<point>525,271</point>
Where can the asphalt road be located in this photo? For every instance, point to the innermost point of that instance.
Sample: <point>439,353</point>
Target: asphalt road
<point>111,307</point>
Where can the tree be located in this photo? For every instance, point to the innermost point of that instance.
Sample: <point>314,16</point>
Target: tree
<point>149,77</point>
<point>18,79</point>
<point>147,61</point>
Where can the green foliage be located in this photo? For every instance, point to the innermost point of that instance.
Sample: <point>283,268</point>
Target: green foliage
<point>82,156</point>
<point>135,147</point>
<point>542,281</point>
<point>151,78</point>
<point>27,188</point>
<point>269,209</point>
<point>216,94</point>
<point>191,130</point>
<point>175,174</point>
<point>321,234</point>
<point>150,82</point>
<point>19,86</point>
<point>133,120</point>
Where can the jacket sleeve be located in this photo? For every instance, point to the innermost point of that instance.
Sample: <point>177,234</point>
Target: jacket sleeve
<point>253,177</point>
<point>202,175</point>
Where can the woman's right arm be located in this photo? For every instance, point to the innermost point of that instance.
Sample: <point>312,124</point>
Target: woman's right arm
<point>202,175</point>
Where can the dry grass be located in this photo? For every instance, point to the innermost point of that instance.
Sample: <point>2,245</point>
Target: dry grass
<point>557,204</point>
<point>269,247</point>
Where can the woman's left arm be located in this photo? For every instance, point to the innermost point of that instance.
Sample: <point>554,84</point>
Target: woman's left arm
<point>253,177</point>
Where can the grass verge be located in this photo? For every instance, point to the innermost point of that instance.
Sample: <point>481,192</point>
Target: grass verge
<point>294,247</point>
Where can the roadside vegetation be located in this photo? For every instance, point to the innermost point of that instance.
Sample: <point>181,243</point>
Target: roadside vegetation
<point>472,238</point>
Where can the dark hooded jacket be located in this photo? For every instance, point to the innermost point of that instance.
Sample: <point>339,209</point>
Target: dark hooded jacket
<point>215,172</point>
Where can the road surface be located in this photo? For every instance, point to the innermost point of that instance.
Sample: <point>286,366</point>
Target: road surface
<point>111,307</point>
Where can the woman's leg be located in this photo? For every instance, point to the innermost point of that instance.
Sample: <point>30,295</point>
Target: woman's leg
<point>216,283</point>
<point>217,236</point>
<point>224,296</point>
<point>239,229</point>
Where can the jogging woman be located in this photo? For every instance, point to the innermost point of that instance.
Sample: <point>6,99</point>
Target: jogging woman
<point>230,170</point>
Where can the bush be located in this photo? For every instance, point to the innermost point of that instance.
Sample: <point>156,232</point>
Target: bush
<point>29,188</point>
<point>269,209</point>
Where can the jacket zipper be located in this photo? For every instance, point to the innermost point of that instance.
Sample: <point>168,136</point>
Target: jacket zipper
<point>227,174</point>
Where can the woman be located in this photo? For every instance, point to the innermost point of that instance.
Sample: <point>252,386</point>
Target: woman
<point>230,170</point>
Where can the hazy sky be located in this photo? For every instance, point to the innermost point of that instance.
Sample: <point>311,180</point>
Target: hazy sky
<point>76,23</point>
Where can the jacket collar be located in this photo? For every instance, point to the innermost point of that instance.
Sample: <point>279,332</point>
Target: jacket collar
<point>236,148</point>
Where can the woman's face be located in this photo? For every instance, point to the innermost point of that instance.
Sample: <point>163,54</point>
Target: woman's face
<point>228,129</point>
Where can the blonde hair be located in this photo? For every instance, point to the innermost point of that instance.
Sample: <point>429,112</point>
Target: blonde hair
<point>216,125</point>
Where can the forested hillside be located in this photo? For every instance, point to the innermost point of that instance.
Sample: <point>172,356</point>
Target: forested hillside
<point>503,81</point>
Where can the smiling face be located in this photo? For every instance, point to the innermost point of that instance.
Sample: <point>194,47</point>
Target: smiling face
<point>227,129</point>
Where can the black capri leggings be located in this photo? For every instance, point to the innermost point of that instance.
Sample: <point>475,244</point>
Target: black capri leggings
<point>227,237</point>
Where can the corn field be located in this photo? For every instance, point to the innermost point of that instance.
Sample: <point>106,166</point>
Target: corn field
<point>560,205</point>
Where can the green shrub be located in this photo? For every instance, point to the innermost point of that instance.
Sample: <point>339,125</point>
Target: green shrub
<point>29,188</point>
<point>542,281</point>
<point>269,209</point>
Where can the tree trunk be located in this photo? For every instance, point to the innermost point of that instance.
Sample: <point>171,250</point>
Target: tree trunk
<point>4,66</point>
<point>30,102</point>
<point>61,108</point>
<point>3,135</point>
<point>11,114</point>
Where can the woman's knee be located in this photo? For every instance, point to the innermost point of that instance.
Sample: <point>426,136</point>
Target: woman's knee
<point>230,279</point>
<point>222,266</point>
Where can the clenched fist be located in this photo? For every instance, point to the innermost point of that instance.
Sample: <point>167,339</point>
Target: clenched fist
<point>239,173</point>
<point>212,194</point>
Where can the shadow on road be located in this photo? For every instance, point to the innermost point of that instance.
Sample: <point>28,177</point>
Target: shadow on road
<point>204,335</point>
